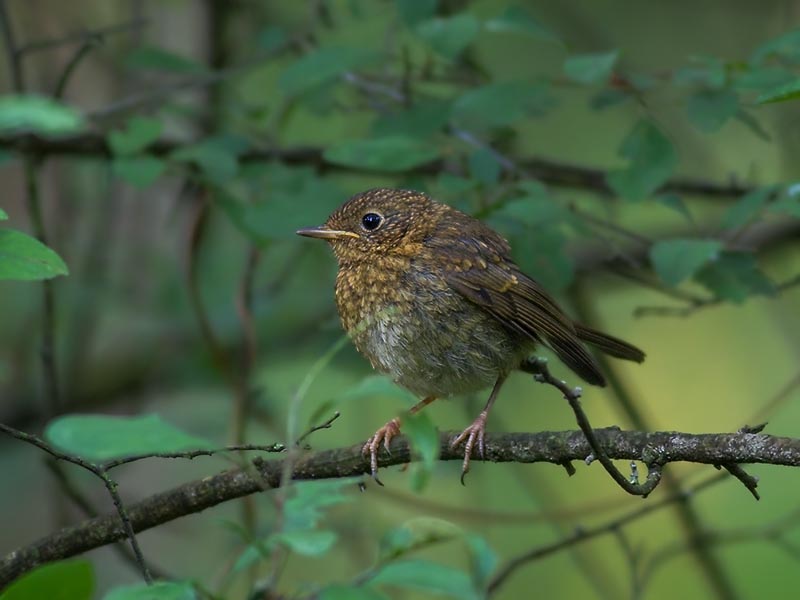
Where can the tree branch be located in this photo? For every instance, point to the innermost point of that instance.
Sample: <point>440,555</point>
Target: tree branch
<point>548,171</point>
<point>547,446</point>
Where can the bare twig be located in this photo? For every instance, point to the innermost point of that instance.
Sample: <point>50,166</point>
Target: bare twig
<point>326,425</point>
<point>99,472</point>
<point>192,454</point>
<point>538,367</point>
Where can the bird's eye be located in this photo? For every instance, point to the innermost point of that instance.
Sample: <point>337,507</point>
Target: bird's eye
<point>371,221</point>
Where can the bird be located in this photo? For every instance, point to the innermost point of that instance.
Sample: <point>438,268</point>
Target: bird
<point>432,298</point>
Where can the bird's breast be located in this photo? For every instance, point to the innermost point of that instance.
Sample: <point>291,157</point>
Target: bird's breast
<point>411,325</point>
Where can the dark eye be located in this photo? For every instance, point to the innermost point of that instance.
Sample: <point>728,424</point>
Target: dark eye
<point>371,221</point>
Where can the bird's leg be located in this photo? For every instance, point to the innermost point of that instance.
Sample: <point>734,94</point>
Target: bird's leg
<point>476,431</point>
<point>385,435</point>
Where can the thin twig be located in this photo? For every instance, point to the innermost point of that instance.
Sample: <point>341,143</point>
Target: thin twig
<point>538,367</point>
<point>326,425</point>
<point>97,471</point>
<point>192,454</point>
<point>82,36</point>
<point>81,53</point>
<point>89,511</point>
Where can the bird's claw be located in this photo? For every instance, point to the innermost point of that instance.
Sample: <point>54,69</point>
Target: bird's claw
<point>472,434</point>
<point>383,435</point>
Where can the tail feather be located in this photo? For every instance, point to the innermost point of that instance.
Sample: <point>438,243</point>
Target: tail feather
<point>609,344</point>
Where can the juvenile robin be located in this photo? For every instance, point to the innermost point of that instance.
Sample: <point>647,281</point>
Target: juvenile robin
<point>432,298</point>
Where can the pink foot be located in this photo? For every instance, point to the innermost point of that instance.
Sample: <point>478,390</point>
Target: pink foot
<point>385,435</point>
<point>473,433</point>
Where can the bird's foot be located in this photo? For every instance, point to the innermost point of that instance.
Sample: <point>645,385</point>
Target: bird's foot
<point>472,434</point>
<point>383,435</point>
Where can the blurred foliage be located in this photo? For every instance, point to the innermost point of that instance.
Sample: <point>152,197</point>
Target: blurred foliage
<point>632,159</point>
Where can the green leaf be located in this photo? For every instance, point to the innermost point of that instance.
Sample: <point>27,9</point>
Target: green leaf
<point>322,66</point>
<point>483,558</point>
<point>415,534</point>
<point>392,154</point>
<point>762,78</point>
<point>536,208</point>
<point>415,11</point>
<point>424,440</point>
<point>160,590</point>
<point>786,46</point>
<point>272,38</point>
<point>217,156</point>
<point>64,580</point>
<point>706,71</point>
<point>652,160</point>
<point>676,203</point>
<point>38,114</point>
<point>781,93</point>
<point>306,543</point>
<point>304,508</point>
<point>138,134</point>
<point>24,258</point>
<point>347,592</point>
<point>103,437</point>
<point>484,167</point>
<point>709,110</point>
<point>277,191</point>
<point>139,171</point>
<point>500,104</point>
<point>544,258</point>
<point>518,20</point>
<point>678,259</point>
<point>735,276</point>
<point>788,204</point>
<point>590,69</point>
<point>747,207</point>
<point>3,215</point>
<point>449,36</point>
<point>159,59</point>
<point>424,119</point>
<point>428,577</point>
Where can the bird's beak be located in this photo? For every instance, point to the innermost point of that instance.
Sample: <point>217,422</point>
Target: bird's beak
<point>325,233</point>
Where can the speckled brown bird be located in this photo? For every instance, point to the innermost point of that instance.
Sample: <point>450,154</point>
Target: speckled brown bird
<point>432,298</point>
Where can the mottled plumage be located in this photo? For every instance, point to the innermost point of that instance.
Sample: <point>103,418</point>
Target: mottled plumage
<point>432,298</point>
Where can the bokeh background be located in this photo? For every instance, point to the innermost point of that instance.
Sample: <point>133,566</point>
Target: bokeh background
<point>190,296</point>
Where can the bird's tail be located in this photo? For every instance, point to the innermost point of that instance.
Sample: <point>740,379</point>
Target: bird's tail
<point>609,344</point>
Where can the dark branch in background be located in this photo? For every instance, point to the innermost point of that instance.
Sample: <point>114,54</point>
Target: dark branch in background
<point>696,304</point>
<point>82,36</point>
<point>583,535</point>
<point>552,447</point>
<point>33,202</point>
<point>93,145</point>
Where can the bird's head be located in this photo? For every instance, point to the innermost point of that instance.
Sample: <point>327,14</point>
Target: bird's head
<point>378,222</point>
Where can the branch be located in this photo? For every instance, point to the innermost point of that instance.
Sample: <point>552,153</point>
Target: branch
<point>548,446</point>
<point>545,170</point>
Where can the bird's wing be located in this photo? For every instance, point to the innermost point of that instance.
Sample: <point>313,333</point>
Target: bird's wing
<point>478,269</point>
